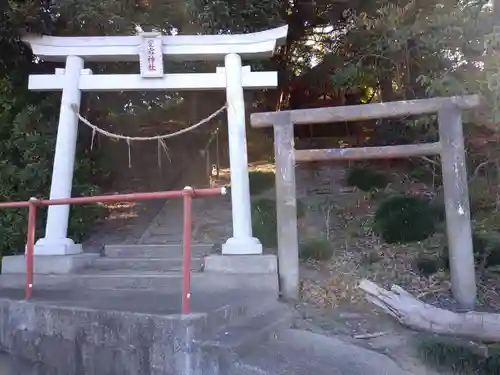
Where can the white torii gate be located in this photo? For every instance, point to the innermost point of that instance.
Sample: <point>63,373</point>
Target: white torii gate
<point>150,49</point>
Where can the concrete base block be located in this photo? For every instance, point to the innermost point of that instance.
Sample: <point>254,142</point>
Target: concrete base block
<point>64,246</point>
<point>242,246</point>
<point>48,264</point>
<point>242,264</point>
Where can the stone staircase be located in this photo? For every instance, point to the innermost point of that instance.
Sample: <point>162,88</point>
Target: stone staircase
<point>147,267</point>
<point>120,316</point>
<point>141,267</point>
<point>159,260</point>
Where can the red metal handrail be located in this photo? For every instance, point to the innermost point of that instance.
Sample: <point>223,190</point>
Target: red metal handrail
<point>187,194</point>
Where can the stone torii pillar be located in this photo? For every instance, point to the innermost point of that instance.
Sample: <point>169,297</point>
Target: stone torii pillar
<point>150,49</point>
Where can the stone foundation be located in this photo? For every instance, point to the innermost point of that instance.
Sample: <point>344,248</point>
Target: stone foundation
<point>48,264</point>
<point>242,264</point>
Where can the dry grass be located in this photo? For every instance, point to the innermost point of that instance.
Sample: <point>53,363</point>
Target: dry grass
<point>359,254</point>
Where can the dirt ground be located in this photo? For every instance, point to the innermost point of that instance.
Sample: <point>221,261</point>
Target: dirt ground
<point>331,302</point>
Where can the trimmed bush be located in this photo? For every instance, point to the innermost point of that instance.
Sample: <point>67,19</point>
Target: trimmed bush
<point>482,195</point>
<point>316,249</point>
<point>486,251</point>
<point>404,219</point>
<point>301,209</point>
<point>366,179</point>
<point>264,220</point>
<point>438,208</point>
<point>260,181</point>
<point>371,257</point>
<point>428,265</point>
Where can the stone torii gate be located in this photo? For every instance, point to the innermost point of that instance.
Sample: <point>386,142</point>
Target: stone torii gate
<point>450,148</point>
<point>150,49</point>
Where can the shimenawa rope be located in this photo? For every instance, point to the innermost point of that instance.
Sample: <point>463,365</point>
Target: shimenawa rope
<point>129,139</point>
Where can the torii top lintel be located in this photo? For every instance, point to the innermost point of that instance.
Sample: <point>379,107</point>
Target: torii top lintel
<point>257,45</point>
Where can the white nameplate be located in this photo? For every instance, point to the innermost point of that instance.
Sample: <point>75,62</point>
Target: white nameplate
<point>151,55</point>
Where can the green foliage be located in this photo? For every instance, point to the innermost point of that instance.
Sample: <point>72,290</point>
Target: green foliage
<point>264,220</point>
<point>232,16</point>
<point>370,257</point>
<point>316,249</point>
<point>28,123</point>
<point>26,154</point>
<point>419,173</point>
<point>260,181</point>
<point>482,194</point>
<point>458,356</point>
<point>301,209</point>
<point>383,50</point>
<point>428,265</point>
<point>486,254</point>
<point>366,179</point>
<point>404,219</point>
<point>438,207</point>
<point>486,251</point>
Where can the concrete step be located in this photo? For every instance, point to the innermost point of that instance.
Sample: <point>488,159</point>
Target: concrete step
<point>165,281</point>
<point>218,352</point>
<point>143,264</point>
<point>297,352</point>
<point>166,251</point>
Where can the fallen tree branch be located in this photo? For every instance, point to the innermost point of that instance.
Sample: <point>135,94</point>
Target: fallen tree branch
<point>420,316</point>
<point>370,335</point>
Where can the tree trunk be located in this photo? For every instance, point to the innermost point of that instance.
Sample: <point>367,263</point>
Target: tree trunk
<point>387,93</point>
<point>420,316</point>
<point>413,89</point>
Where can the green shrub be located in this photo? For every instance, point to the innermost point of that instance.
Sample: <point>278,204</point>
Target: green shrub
<point>27,152</point>
<point>260,181</point>
<point>419,173</point>
<point>404,219</point>
<point>486,251</point>
<point>264,220</point>
<point>316,249</point>
<point>428,265</point>
<point>482,195</point>
<point>438,209</point>
<point>301,209</point>
<point>371,257</point>
<point>366,179</point>
<point>28,131</point>
<point>458,356</point>
<point>425,172</point>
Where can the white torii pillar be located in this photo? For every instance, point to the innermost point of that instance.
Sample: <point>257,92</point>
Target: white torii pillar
<point>56,241</point>
<point>150,49</point>
<point>242,241</point>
